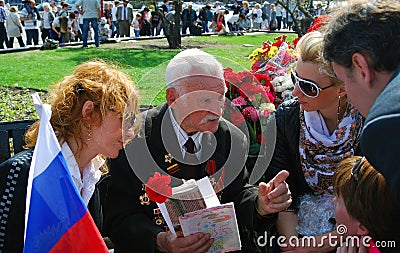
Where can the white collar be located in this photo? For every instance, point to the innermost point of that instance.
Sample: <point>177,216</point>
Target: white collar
<point>86,182</point>
<point>183,136</point>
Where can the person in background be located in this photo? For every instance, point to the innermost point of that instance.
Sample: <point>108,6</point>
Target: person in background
<point>164,7</point>
<point>155,22</point>
<point>90,10</point>
<point>14,28</point>
<point>77,28</point>
<point>107,13</point>
<point>273,22</point>
<point>362,42</point>
<point>30,17</point>
<point>47,19</point>
<point>87,109</point>
<point>245,9</point>
<point>315,131</point>
<point>257,17</point>
<point>145,22</point>
<point>3,31</point>
<point>236,7</point>
<point>115,26</point>
<point>125,18</point>
<point>265,16</point>
<point>136,25</point>
<point>189,16</point>
<point>243,24</point>
<point>367,206</point>
<point>104,30</point>
<point>210,17</point>
<point>203,19</point>
<point>232,21</point>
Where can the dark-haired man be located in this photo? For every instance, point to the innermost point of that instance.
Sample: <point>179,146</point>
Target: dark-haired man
<point>363,44</point>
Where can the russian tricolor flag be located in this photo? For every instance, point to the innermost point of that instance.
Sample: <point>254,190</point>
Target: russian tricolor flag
<point>57,219</point>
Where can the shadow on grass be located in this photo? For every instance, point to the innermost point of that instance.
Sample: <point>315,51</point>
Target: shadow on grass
<point>138,58</point>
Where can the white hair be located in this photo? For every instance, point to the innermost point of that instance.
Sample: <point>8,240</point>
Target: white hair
<point>189,63</point>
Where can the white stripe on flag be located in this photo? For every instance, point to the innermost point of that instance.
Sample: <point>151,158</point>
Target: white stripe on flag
<point>46,148</point>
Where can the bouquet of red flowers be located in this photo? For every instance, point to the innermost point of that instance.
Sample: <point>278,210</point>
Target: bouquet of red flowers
<point>250,101</point>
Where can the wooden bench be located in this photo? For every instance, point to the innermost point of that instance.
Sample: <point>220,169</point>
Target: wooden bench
<point>12,136</point>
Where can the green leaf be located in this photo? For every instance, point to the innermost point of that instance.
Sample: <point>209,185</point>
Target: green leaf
<point>254,148</point>
<point>252,132</point>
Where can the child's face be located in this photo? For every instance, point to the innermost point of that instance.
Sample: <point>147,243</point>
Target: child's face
<point>343,217</point>
<point>137,17</point>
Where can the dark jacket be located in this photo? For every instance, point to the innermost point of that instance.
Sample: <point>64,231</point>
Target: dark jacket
<point>131,224</point>
<point>286,153</point>
<point>380,139</point>
<point>13,182</point>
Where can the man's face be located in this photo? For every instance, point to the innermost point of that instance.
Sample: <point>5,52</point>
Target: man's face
<point>353,88</point>
<point>200,108</point>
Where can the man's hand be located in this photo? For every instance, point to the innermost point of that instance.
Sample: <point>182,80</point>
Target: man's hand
<point>196,243</point>
<point>274,196</point>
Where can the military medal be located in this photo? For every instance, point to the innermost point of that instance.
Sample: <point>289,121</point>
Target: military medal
<point>158,219</point>
<point>144,199</point>
<point>168,158</point>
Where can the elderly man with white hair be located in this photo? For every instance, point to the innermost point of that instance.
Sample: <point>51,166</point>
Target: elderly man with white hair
<point>186,138</point>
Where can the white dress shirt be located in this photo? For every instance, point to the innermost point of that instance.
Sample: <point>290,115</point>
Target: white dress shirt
<point>86,182</point>
<point>183,136</point>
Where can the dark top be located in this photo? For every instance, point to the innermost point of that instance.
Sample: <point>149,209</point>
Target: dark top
<point>380,137</point>
<point>13,182</point>
<point>286,153</point>
<point>132,225</point>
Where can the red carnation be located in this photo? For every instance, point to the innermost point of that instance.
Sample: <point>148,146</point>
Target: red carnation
<point>158,189</point>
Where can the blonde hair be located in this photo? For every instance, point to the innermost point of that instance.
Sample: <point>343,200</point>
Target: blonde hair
<point>246,3</point>
<point>309,49</point>
<point>13,9</point>
<point>46,5</point>
<point>104,85</point>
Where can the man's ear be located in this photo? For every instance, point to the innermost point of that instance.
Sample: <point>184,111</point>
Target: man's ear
<point>87,110</point>
<point>362,69</point>
<point>171,96</point>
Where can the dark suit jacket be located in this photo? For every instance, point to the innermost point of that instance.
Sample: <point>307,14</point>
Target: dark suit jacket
<point>380,139</point>
<point>130,224</point>
<point>129,12</point>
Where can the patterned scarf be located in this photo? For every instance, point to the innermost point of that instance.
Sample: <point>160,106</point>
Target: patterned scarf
<point>321,152</point>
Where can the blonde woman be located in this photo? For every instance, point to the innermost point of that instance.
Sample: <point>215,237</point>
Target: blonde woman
<point>14,28</point>
<point>315,131</point>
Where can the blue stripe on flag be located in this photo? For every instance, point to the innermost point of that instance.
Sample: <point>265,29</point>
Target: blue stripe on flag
<point>54,208</point>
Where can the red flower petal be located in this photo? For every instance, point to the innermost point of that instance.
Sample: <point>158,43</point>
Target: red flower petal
<point>158,189</point>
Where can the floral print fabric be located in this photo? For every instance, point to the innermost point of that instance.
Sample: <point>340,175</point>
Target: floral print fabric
<point>321,152</point>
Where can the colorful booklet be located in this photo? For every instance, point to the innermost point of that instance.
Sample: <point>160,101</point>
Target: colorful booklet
<point>194,207</point>
<point>219,221</point>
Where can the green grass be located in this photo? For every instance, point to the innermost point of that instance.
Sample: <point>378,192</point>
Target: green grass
<point>39,69</point>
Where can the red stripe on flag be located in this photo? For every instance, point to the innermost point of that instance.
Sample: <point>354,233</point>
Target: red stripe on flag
<point>83,236</point>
